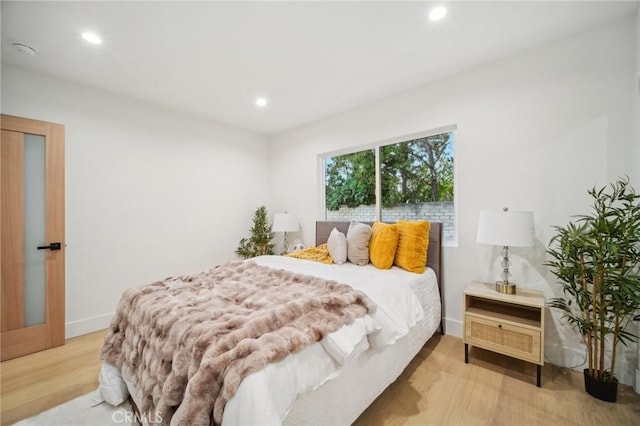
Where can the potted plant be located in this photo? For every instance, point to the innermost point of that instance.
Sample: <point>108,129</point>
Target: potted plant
<point>261,240</point>
<point>596,258</point>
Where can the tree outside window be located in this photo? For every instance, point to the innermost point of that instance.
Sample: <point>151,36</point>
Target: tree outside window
<point>351,180</point>
<point>416,179</point>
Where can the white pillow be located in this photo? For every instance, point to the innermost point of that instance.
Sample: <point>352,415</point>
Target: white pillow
<point>358,237</point>
<point>112,387</point>
<point>337,245</point>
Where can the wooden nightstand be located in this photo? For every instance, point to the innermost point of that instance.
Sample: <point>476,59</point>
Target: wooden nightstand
<point>510,324</point>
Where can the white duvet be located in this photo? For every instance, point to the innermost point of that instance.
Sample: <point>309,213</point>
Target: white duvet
<point>265,397</point>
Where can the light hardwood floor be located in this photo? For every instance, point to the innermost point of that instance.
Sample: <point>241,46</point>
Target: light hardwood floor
<point>34,383</point>
<point>437,388</point>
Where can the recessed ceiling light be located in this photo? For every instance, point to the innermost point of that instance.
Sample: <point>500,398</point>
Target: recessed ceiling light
<point>92,38</point>
<point>261,102</point>
<point>437,13</point>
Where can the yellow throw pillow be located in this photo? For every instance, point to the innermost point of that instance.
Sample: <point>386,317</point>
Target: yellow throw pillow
<point>413,242</point>
<point>383,244</point>
<point>317,254</point>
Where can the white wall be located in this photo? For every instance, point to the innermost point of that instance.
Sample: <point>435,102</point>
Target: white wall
<point>535,131</point>
<point>636,153</point>
<point>636,142</point>
<point>150,192</point>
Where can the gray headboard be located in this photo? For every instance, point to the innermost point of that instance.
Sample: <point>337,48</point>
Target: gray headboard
<point>434,253</point>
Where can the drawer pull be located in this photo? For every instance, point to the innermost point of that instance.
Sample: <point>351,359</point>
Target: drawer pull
<point>499,325</point>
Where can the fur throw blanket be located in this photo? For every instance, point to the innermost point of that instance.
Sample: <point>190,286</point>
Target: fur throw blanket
<point>188,341</point>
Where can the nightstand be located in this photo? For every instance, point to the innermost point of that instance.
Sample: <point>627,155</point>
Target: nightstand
<point>509,324</point>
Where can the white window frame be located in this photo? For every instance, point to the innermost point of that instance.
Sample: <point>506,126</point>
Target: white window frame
<point>322,209</point>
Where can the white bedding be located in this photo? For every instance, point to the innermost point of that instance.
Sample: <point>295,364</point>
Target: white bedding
<point>398,307</point>
<point>267,396</point>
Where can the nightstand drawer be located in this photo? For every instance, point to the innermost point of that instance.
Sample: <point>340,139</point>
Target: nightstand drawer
<point>518,342</point>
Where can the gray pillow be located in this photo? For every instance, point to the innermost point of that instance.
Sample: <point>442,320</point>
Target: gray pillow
<point>358,237</point>
<point>337,245</point>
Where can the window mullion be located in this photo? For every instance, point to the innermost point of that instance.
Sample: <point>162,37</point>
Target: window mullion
<point>322,207</point>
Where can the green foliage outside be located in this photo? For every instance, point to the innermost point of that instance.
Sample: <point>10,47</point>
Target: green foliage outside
<point>351,180</point>
<point>261,240</point>
<point>416,171</point>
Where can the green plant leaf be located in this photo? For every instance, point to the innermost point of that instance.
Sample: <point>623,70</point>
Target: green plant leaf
<point>596,259</point>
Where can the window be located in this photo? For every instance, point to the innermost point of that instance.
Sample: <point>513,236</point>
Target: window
<point>414,181</point>
<point>350,189</point>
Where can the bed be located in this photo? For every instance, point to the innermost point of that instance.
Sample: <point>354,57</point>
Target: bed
<point>346,372</point>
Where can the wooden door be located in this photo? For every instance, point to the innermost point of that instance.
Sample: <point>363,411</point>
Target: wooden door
<point>32,236</point>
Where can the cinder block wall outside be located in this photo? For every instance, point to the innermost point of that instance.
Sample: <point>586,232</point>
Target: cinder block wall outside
<point>435,212</point>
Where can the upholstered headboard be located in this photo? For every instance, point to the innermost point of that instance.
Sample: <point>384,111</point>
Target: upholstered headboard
<point>434,252</point>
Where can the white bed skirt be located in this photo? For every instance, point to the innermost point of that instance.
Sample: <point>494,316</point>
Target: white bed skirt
<point>340,401</point>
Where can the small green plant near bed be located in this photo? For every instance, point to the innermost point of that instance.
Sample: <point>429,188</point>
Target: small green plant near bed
<point>596,258</point>
<point>260,243</point>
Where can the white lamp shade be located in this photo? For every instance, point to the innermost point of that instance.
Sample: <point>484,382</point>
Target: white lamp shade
<point>284,222</point>
<point>506,228</point>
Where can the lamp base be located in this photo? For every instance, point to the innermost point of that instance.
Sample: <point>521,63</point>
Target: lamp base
<point>505,287</point>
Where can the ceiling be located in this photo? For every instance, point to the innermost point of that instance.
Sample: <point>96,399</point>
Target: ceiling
<point>308,59</point>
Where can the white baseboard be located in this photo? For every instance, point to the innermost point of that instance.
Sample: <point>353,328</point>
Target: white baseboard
<point>87,325</point>
<point>453,327</point>
<point>575,358</point>
<point>562,356</point>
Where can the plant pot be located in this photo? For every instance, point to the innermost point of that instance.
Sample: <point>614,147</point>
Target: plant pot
<point>605,391</point>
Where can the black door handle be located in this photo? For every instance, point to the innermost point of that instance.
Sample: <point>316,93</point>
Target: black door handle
<point>52,246</point>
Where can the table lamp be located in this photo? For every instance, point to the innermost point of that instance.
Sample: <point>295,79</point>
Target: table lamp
<point>507,229</point>
<point>285,222</point>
